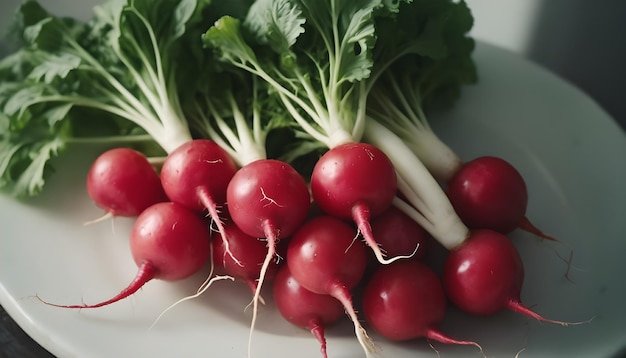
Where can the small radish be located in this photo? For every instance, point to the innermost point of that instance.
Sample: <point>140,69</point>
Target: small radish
<point>355,181</point>
<point>404,300</point>
<point>489,193</point>
<point>196,175</point>
<point>398,234</point>
<point>304,308</point>
<point>269,199</point>
<point>168,242</point>
<point>326,257</point>
<point>485,275</point>
<point>249,250</point>
<point>124,183</point>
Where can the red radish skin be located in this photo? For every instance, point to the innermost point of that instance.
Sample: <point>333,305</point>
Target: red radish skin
<point>196,175</point>
<point>124,183</point>
<point>249,250</point>
<point>325,257</point>
<point>489,193</point>
<point>404,300</point>
<point>398,234</point>
<point>168,242</point>
<point>304,308</point>
<point>485,275</point>
<point>355,181</point>
<point>269,199</point>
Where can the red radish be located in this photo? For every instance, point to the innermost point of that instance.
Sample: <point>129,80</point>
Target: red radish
<point>398,234</point>
<point>325,257</point>
<point>196,175</point>
<point>249,250</point>
<point>489,193</point>
<point>168,242</point>
<point>123,182</point>
<point>304,308</point>
<point>355,181</point>
<point>485,275</point>
<point>404,300</point>
<point>269,199</point>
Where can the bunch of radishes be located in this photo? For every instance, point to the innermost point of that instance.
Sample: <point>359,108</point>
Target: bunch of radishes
<point>345,84</point>
<point>200,202</point>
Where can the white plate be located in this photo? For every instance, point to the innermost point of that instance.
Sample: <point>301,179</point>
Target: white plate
<point>572,154</point>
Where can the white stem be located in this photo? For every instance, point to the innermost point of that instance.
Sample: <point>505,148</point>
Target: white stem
<point>447,227</point>
<point>438,157</point>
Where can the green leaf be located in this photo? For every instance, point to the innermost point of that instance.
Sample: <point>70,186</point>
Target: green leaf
<point>277,23</point>
<point>55,66</point>
<point>226,38</point>
<point>24,165</point>
<point>359,37</point>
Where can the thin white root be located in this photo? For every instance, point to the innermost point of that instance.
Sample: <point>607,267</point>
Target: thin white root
<point>271,251</point>
<point>368,345</point>
<point>384,261</point>
<point>370,349</point>
<point>104,217</point>
<point>204,287</point>
<point>261,299</point>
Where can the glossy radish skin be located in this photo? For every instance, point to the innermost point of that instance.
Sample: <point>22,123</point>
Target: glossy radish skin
<point>399,235</point>
<point>355,181</point>
<point>485,276</point>
<point>197,173</point>
<point>325,257</point>
<point>269,199</point>
<point>123,182</point>
<point>249,250</point>
<point>489,193</point>
<point>304,308</point>
<point>325,254</point>
<point>404,300</point>
<point>168,242</point>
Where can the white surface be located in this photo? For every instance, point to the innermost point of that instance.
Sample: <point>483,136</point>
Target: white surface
<point>570,152</point>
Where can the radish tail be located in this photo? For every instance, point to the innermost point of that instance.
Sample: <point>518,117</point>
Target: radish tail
<point>146,272</point>
<point>516,305</point>
<point>361,216</point>
<point>340,292</point>
<point>108,215</point>
<point>211,206</point>
<point>253,284</point>
<point>270,235</point>
<point>527,226</point>
<point>317,329</point>
<point>443,338</point>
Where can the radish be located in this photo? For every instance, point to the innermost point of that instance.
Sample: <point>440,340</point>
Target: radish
<point>488,192</point>
<point>405,300</point>
<point>485,276</point>
<point>399,235</point>
<point>304,308</point>
<point>123,182</point>
<point>249,250</point>
<point>355,181</point>
<point>325,257</point>
<point>196,175</point>
<point>168,242</point>
<point>269,199</point>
